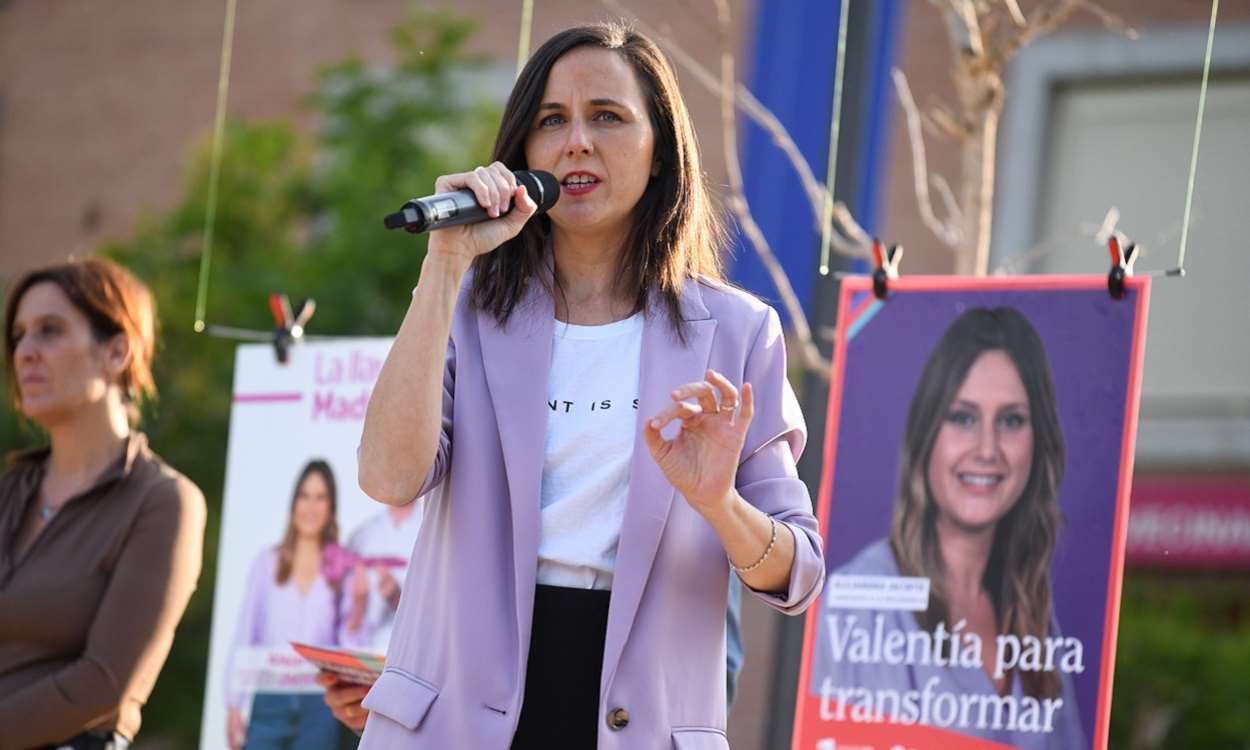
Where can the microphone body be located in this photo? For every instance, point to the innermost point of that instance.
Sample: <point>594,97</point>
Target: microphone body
<point>461,207</point>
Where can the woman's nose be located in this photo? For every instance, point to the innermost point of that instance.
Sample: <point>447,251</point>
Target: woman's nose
<point>579,140</point>
<point>25,349</point>
<point>987,441</point>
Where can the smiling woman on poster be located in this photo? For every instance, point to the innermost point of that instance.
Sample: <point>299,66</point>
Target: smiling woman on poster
<point>976,513</point>
<point>289,597</point>
<point>603,427</point>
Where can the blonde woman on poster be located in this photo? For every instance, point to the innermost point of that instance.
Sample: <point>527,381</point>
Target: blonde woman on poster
<point>976,514</point>
<point>289,597</point>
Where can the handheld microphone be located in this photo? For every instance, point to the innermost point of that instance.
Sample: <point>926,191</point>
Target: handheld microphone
<point>461,207</point>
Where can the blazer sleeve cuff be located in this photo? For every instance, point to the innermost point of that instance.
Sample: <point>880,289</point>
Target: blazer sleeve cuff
<point>806,574</point>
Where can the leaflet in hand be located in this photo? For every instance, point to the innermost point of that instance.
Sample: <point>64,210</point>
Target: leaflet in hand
<point>356,667</point>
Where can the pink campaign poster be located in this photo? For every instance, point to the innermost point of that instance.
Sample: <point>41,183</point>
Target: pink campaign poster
<point>975,510</point>
<point>305,557</point>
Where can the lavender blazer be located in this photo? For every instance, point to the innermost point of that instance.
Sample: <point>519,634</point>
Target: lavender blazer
<point>455,669</point>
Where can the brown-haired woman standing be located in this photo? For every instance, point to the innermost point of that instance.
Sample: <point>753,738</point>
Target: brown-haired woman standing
<point>100,540</point>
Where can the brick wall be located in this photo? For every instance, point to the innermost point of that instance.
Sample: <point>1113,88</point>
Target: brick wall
<point>101,103</point>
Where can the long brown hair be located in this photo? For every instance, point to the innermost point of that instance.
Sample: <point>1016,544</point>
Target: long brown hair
<point>329,532</point>
<point>1017,577</point>
<point>675,234</point>
<point>114,303</point>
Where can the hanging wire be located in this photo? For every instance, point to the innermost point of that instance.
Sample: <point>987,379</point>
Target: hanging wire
<point>210,211</point>
<point>826,223</point>
<point>214,167</point>
<point>1193,156</point>
<point>523,43</point>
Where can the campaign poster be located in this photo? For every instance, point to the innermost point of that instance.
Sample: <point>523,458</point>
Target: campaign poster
<point>974,505</point>
<point>304,555</point>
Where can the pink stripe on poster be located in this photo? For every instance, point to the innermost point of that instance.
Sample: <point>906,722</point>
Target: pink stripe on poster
<point>266,398</point>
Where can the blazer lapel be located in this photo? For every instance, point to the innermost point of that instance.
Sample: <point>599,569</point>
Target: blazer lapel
<point>517,363</point>
<point>666,364</point>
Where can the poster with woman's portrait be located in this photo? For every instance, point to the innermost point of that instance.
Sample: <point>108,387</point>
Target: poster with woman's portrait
<point>304,555</point>
<point>974,504</point>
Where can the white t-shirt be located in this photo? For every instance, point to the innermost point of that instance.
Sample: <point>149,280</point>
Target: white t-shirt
<point>592,420</point>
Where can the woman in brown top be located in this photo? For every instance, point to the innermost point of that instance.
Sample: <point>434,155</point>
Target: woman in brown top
<point>100,541</point>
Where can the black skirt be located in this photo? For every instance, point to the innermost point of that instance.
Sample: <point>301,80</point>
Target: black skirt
<point>561,705</point>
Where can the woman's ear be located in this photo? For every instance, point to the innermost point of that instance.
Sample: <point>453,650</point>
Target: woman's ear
<point>118,355</point>
<point>655,168</point>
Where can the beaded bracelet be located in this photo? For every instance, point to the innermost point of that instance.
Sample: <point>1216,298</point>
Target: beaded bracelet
<point>767,551</point>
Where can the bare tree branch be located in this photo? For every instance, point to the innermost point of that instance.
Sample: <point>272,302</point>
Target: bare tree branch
<point>946,123</point>
<point>964,28</point>
<point>1110,21</point>
<point>1017,15</point>
<point>979,89</point>
<point>1051,16</point>
<point>845,222</point>
<point>946,231</point>
<point>808,352</point>
<point>1044,20</point>
<point>949,203</point>
<point>848,238</point>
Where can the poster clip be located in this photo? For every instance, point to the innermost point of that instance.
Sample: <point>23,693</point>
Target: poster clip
<point>1122,259</point>
<point>288,327</point>
<point>886,263</point>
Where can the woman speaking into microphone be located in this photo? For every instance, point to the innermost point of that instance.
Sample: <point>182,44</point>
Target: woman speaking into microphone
<point>599,426</point>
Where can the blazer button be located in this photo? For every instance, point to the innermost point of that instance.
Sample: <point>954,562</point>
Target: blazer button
<point>618,718</point>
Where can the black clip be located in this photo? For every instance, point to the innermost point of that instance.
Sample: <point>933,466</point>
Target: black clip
<point>288,328</point>
<point>1122,260</point>
<point>886,267</point>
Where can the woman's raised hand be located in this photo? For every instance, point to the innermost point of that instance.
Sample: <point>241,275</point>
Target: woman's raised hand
<point>701,462</point>
<point>496,189</point>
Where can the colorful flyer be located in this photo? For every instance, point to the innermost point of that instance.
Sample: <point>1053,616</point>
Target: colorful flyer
<point>974,503</point>
<point>356,667</point>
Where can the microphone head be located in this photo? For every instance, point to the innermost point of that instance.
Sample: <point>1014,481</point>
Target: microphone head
<point>543,187</point>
